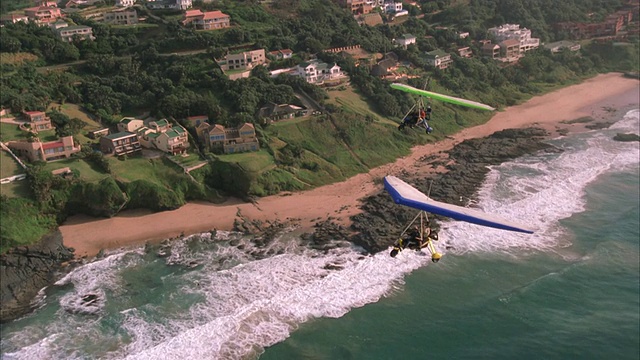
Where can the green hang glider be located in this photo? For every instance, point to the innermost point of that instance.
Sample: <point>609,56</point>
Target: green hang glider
<point>445,98</point>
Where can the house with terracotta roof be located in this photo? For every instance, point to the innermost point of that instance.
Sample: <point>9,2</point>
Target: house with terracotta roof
<point>43,14</point>
<point>38,120</point>
<point>210,20</point>
<point>13,18</point>
<point>48,151</point>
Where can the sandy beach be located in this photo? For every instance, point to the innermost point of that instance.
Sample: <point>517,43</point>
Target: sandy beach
<point>340,200</point>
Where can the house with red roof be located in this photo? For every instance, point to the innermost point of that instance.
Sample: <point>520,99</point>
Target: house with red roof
<point>49,151</point>
<point>13,18</point>
<point>43,14</point>
<point>38,120</point>
<point>210,20</point>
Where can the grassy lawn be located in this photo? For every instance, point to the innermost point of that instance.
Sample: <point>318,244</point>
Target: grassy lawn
<point>189,160</point>
<point>86,170</point>
<point>16,189</point>
<point>256,162</point>
<point>10,132</point>
<point>289,122</point>
<point>159,171</point>
<point>350,100</point>
<point>16,58</point>
<point>9,166</point>
<point>48,135</point>
<point>75,111</point>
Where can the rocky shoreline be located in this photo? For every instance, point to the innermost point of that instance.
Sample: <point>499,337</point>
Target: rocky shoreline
<point>381,220</point>
<point>26,270</point>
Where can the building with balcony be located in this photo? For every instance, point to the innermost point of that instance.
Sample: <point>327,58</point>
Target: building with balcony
<point>317,72</point>
<point>69,33</point>
<point>439,59</point>
<point>210,20</point>
<point>246,60</point>
<point>43,14</point>
<point>121,143</point>
<point>514,32</point>
<point>38,121</point>
<point>127,16</point>
<point>49,151</point>
<point>229,140</point>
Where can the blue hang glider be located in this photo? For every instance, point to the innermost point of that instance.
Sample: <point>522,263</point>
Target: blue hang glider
<point>407,195</point>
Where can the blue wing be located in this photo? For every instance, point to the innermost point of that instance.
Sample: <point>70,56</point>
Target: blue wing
<point>405,194</point>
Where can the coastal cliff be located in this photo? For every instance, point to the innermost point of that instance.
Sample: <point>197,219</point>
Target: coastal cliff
<point>25,270</point>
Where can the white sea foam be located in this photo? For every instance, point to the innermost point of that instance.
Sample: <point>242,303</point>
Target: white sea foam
<point>541,190</point>
<point>258,303</point>
<point>92,280</point>
<point>241,298</point>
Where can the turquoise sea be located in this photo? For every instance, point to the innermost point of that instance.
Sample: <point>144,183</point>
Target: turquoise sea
<point>569,291</point>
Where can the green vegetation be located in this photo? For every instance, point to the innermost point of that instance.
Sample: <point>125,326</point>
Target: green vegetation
<point>8,165</point>
<point>84,170</point>
<point>131,70</point>
<point>11,132</point>
<point>22,222</point>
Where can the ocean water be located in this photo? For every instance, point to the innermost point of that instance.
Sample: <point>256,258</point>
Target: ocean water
<point>571,290</point>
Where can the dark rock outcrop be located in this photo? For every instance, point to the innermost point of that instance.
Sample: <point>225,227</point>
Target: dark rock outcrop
<point>626,137</point>
<point>25,270</point>
<point>381,221</point>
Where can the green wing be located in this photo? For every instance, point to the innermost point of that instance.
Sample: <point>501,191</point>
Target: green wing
<point>445,98</point>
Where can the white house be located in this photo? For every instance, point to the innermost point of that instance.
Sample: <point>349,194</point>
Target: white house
<point>513,32</point>
<point>125,3</point>
<point>316,72</point>
<point>439,59</point>
<point>405,40</point>
<point>392,7</point>
<point>184,4</point>
<point>69,32</point>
